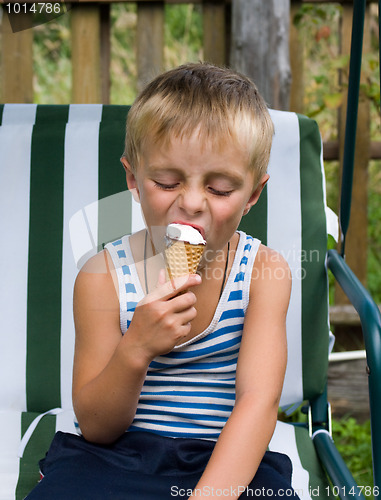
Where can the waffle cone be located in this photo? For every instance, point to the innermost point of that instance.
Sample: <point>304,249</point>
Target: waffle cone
<point>182,258</point>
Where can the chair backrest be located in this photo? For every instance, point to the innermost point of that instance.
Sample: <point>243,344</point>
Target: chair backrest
<point>291,218</point>
<point>61,182</point>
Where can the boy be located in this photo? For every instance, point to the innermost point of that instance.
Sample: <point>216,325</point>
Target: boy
<point>191,368</point>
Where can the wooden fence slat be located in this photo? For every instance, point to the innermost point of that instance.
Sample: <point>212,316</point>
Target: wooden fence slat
<point>85,29</point>
<point>214,27</point>
<point>296,63</point>
<point>150,41</point>
<point>17,58</point>
<point>105,48</point>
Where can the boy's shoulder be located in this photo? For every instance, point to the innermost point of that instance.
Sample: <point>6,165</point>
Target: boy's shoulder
<point>97,264</point>
<point>97,273</point>
<point>270,265</point>
<point>271,280</point>
<point>269,255</point>
<point>96,285</point>
<point>103,262</point>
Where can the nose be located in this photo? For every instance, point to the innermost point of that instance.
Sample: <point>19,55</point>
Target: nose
<point>192,200</point>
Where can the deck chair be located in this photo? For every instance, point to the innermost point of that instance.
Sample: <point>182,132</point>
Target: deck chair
<point>61,184</point>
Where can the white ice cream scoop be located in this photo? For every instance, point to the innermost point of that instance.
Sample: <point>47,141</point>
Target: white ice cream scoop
<point>183,232</point>
<point>184,248</point>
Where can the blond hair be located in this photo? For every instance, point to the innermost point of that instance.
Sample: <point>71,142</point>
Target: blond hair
<point>219,103</point>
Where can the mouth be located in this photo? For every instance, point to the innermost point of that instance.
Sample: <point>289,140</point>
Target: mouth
<point>195,226</point>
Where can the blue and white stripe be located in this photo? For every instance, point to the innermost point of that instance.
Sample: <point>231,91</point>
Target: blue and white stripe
<point>190,392</point>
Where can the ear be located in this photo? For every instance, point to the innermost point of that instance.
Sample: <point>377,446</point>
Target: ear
<point>256,193</point>
<point>130,179</point>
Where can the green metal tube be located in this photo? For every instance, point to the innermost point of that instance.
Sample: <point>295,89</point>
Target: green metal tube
<point>351,118</point>
<point>370,318</point>
<point>344,485</point>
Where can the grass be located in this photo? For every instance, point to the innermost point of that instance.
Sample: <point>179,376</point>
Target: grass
<point>353,441</point>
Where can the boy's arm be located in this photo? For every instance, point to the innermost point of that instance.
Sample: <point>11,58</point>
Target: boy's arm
<point>102,368</point>
<point>109,369</point>
<point>259,380</point>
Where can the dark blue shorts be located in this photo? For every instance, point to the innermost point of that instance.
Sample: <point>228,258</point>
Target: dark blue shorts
<point>144,466</point>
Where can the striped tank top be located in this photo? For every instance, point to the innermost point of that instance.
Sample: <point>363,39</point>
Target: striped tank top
<point>190,392</point>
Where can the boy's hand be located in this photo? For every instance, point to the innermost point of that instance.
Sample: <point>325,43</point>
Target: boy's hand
<point>162,319</point>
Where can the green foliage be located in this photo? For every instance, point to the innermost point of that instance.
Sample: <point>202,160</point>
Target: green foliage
<point>123,72</point>
<point>183,34</point>
<point>52,66</point>
<point>318,27</point>
<point>325,83</point>
<point>327,70</point>
<point>374,231</point>
<point>182,43</point>
<point>52,51</point>
<point>316,14</point>
<point>370,87</point>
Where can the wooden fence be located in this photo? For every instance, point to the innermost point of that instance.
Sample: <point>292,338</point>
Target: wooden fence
<point>90,35</point>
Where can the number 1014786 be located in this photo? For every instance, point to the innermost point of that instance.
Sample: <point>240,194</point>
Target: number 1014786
<point>336,491</point>
<point>35,8</point>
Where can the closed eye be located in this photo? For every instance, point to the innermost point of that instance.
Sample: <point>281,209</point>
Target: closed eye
<point>217,192</point>
<point>166,186</point>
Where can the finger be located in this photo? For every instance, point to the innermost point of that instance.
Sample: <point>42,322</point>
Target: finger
<point>177,285</point>
<point>188,315</point>
<point>162,278</point>
<point>182,301</point>
<point>184,331</point>
<point>182,284</point>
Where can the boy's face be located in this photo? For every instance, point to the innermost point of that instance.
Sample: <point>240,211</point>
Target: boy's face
<point>193,182</point>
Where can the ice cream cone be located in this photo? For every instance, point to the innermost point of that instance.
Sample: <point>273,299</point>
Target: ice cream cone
<point>184,248</point>
<point>182,258</point>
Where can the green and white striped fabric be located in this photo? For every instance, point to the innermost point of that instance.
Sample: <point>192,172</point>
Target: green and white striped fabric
<point>291,219</point>
<point>56,162</point>
<point>19,471</point>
